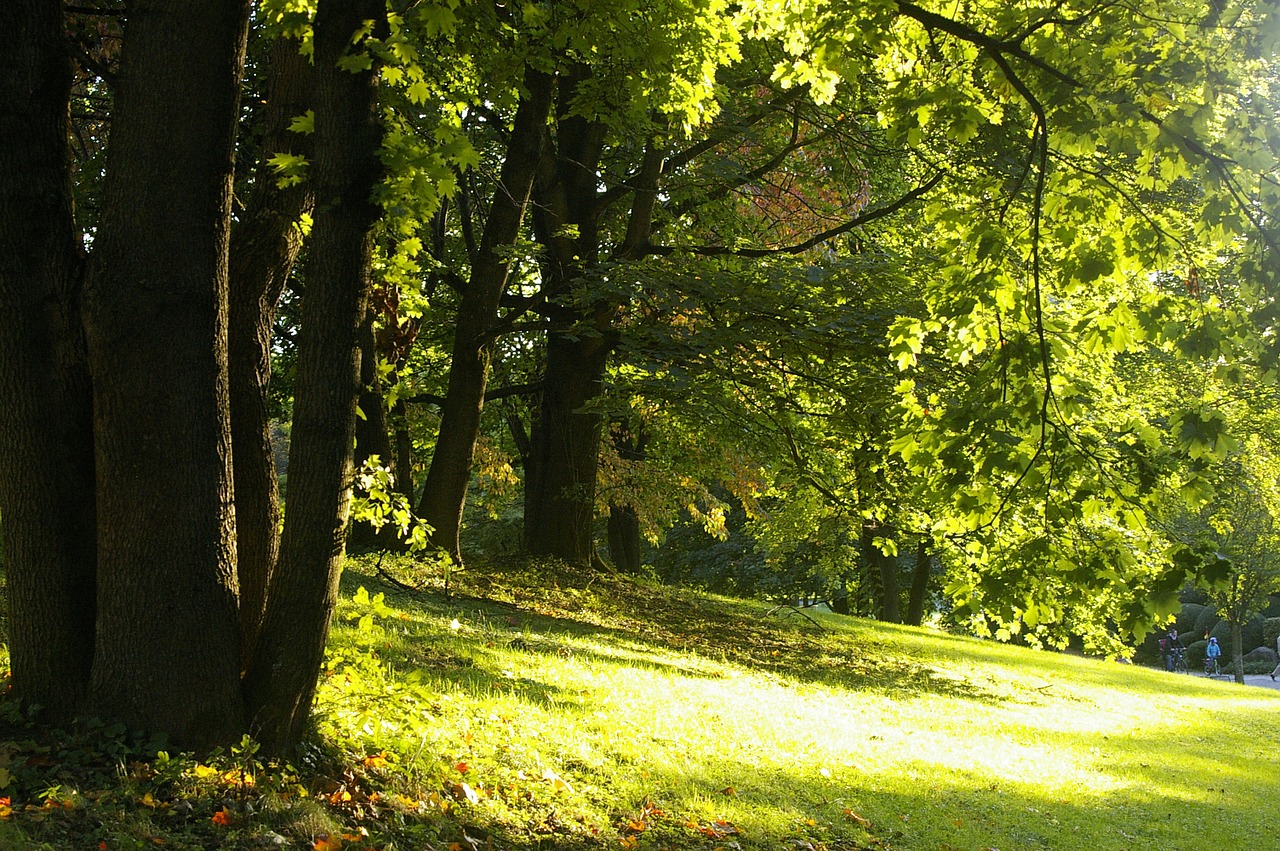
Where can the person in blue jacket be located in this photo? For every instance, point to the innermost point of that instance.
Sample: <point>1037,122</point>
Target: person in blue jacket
<point>1211,654</point>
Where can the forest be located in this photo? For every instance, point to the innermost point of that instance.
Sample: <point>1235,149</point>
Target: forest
<point>951,312</point>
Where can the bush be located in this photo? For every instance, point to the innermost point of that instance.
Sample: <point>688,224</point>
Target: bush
<point>1251,634</point>
<point>1261,656</point>
<point>1206,620</point>
<point>1270,632</point>
<point>1222,632</point>
<point>1195,653</point>
<point>1187,616</point>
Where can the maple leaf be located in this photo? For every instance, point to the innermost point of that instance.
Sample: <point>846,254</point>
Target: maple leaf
<point>221,817</point>
<point>462,768</point>
<point>378,760</point>
<point>327,843</point>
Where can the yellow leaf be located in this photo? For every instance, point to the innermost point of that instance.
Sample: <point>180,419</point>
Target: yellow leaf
<point>557,782</point>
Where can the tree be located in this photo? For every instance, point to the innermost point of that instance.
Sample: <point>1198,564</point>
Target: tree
<point>137,501</point>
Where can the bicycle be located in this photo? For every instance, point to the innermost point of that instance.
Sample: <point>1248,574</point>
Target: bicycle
<point>1179,663</point>
<point>1211,667</point>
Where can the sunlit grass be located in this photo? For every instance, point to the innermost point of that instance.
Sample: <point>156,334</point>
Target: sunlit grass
<point>711,723</point>
<point>540,708</point>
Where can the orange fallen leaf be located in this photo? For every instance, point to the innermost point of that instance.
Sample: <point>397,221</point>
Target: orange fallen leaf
<point>857,819</point>
<point>378,760</point>
<point>462,768</point>
<point>728,790</point>
<point>327,843</point>
<point>222,817</point>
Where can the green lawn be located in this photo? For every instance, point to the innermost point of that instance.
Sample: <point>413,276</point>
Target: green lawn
<point>544,709</point>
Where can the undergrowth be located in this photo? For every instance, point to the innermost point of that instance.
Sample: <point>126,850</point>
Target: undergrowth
<point>536,707</point>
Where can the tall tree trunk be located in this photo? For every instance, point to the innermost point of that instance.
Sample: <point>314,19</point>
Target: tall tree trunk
<point>264,245</point>
<point>560,476</point>
<point>168,636</point>
<point>559,501</point>
<point>445,492</point>
<point>281,679</point>
<point>919,584</point>
<point>46,437</point>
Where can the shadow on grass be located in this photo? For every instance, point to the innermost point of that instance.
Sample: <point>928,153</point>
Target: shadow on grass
<point>636,619</point>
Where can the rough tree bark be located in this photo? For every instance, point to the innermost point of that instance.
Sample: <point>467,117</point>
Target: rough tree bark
<point>281,679</point>
<point>46,437</point>
<point>560,479</point>
<point>157,295</point>
<point>445,491</point>
<point>264,245</point>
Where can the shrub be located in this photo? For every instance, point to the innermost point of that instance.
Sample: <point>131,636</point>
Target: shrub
<point>1206,620</point>
<point>1251,634</point>
<point>1270,632</point>
<point>1187,617</point>
<point>1222,632</point>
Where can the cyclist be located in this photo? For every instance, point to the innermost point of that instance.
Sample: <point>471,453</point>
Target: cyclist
<point>1173,648</point>
<point>1211,654</point>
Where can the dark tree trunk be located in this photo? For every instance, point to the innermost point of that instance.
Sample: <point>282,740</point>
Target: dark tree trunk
<point>624,522</point>
<point>445,491</point>
<point>624,538</point>
<point>281,679</point>
<point>168,635</point>
<point>403,466</point>
<point>559,501</point>
<point>46,437</point>
<point>264,245</point>
<point>840,600</point>
<point>885,573</point>
<point>560,477</point>
<point>919,585</point>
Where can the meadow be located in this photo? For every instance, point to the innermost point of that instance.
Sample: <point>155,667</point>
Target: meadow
<point>535,708</point>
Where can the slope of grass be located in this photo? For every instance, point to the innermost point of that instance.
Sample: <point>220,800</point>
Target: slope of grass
<point>542,708</point>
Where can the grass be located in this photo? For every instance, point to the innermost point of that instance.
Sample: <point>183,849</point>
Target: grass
<point>538,708</point>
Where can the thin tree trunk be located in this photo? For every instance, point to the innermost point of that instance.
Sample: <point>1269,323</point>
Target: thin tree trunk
<point>445,491</point>
<point>919,584</point>
<point>403,466</point>
<point>168,635</point>
<point>46,437</point>
<point>281,679</point>
<point>1237,650</point>
<point>264,245</point>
